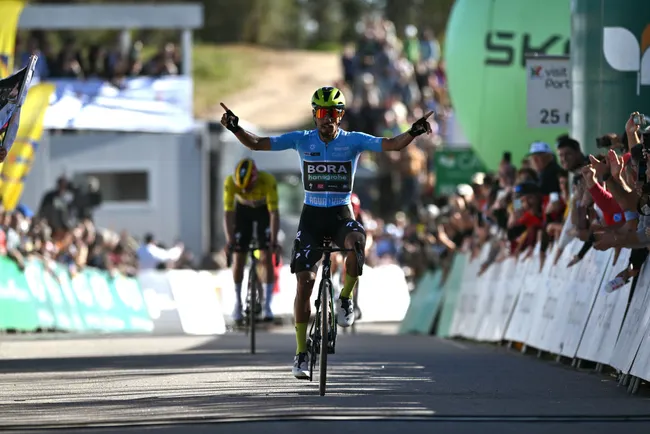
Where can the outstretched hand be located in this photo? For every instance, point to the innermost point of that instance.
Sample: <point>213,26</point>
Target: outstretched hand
<point>229,119</point>
<point>421,126</point>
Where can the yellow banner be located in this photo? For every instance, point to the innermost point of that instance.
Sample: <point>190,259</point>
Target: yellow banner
<point>19,161</point>
<point>10,12</point>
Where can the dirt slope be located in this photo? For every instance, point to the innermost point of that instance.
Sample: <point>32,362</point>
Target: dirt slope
<point>279,97</point>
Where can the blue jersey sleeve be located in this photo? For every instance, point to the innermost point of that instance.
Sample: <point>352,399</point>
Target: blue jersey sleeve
<point>286,141</point>
<point>366,142</point>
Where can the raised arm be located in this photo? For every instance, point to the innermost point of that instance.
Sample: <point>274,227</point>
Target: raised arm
<point>401,141</point>
<point>248,139</point>
<point>253,142</point>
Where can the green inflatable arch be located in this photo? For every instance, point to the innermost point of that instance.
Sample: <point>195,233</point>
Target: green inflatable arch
<point>484,51</point>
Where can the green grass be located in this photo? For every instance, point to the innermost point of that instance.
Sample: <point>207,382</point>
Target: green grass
<point>329,47</point>
<point>220,70</point>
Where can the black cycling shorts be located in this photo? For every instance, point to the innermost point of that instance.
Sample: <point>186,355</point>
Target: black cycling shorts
<point>245,216</point>
<point>317,223</point>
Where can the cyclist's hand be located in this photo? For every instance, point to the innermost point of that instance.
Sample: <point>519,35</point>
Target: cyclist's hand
<point>230,120</point>
<point>421,126</point>
<point>3,154</point>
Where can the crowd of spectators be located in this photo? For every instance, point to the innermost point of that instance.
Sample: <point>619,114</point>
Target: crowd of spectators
<point>63,232</point>
<point>97,61</point>
<point>390,79</point>
<point>556,195</point>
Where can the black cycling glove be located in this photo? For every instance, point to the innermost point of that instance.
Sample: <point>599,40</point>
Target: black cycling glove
<point>419,127</point>
<point>231,121</point>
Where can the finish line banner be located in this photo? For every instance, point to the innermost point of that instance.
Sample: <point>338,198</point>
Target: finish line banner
<point>142,104</point>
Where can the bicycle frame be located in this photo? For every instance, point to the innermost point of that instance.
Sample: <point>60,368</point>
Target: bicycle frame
<point>324,319</point>
<point>254,294</point>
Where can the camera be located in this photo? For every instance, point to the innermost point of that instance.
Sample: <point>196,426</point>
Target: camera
<point>642,121</point>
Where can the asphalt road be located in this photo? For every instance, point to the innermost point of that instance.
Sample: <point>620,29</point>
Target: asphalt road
<point>378,381</point>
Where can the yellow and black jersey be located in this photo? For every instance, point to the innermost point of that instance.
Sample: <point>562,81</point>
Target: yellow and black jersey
<point>264,192</point>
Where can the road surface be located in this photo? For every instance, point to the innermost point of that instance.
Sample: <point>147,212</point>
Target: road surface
<point>378,381</point>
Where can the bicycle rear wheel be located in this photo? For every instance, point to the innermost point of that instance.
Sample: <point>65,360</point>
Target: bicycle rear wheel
<point>326,287</point>
<point>252,296</point>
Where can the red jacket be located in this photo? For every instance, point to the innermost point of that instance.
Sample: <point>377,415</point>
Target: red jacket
<point>612,211</point>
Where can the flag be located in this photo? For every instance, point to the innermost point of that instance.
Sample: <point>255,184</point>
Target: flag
<point>13,91</point>
<point>19,161</point>
<point>10,12</point>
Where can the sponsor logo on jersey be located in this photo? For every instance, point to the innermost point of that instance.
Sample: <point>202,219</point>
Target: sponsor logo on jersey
<point>327,176</point>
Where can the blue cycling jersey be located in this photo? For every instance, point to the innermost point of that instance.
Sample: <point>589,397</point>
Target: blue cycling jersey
<point>327,169</point>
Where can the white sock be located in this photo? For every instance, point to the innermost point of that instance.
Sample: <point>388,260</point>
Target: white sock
<point>238,294</point>
<point>268,295</point>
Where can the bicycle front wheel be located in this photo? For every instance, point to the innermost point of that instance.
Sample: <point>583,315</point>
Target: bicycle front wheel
<point>326,287</point>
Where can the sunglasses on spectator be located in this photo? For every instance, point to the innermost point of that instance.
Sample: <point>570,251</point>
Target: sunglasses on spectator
<point>322,113</point>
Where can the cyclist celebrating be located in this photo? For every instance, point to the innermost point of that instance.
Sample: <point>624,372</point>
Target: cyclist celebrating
<point>329,157</point>
<point>251,196</point>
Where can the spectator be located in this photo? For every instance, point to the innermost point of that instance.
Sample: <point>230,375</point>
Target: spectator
<point>96,61</point>
<point>58,205</point>
<point>151,256</point>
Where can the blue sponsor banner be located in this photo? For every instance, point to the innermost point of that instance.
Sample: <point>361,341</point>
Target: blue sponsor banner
<point>141,104</point>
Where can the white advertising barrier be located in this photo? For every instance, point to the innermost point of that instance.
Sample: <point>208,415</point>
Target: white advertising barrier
<point>197,302</point>
<point>565,311</point>
<point>579,295</point>
<point>493,327</point>
<point>383,293</point>
<point>601,332</point>
<point>635,324</point>
<point>512,294</point>
<point>463,323</point>
<point>512,278</point>
<point>533,288</point>
<point>481,290</point>
<point>157,293</point>
<point>281,304</point>
<point>489,295</point>
<point>641,364</point>
<point>549,286</point>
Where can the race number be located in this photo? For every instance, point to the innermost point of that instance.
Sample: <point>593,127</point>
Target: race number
<point>548,91</point>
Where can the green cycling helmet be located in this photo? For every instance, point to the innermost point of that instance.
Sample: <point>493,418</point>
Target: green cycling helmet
<point>328,96</point>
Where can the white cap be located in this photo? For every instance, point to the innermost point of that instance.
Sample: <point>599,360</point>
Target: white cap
<point>540,148</point>
<point>478,178</point>
<point>464,190</point>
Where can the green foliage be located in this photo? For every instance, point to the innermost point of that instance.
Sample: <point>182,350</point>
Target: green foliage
<point>282,23</point>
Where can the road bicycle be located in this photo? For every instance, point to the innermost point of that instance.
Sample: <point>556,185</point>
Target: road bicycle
<point>321,340</point>
<point>254,292</point>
